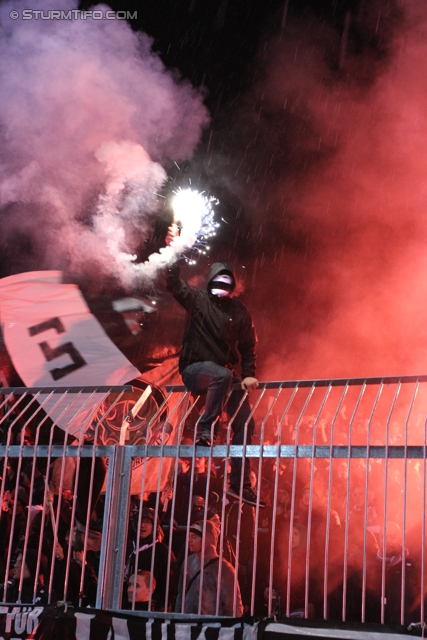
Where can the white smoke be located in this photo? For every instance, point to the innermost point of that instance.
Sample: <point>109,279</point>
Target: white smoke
<point>89,118</point>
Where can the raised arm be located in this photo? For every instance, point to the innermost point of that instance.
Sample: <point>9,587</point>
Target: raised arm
<point>181,291</point>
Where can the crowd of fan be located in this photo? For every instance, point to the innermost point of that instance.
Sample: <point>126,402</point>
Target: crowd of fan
<point>51,539</point>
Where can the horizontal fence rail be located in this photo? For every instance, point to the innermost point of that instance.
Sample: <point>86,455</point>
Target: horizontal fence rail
<point>107,501</point>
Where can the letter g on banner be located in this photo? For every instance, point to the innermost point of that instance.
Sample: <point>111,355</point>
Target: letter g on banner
<point>51,353</point>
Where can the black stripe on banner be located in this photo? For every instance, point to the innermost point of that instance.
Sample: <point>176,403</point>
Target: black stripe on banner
<point>170,631</point>
<point>100,626</point>
<point>212,633</point>
<point>238,633</point>
<point>156,630</point>
<point>137,628</point>
<point>195,631</point>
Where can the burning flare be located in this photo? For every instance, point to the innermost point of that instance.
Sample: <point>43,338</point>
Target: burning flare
<point>194,215</point>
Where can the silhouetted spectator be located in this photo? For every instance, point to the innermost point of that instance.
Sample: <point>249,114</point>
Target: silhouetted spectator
<point>85,596</point>
<point>140,552</point>
<point>33,583</point>
<point>208,576</point>
<point>138,590</point>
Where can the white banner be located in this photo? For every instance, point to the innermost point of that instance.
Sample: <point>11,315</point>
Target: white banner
<point>54,341</point>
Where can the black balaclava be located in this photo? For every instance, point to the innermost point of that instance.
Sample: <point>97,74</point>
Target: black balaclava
<point>221,285</point>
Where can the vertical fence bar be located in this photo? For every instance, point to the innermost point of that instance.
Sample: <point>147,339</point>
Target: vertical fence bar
<point>385,505</point>
<point>423,523</point>
<point>182,413</point>
<point>255,554</point>
<point>117,517</point>
<point>273,520</point>
<point>405,487</point>
<point>328,512</point>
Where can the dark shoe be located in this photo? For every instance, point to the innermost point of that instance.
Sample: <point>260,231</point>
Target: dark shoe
<point>248,495</point>
<point>204,440</point>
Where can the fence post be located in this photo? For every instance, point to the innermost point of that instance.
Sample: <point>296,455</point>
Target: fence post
<point>115,531</point>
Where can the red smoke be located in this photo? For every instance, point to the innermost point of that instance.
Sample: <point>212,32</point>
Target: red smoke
<point>332,172</point>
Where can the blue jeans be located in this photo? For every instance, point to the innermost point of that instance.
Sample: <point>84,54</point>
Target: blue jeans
<point>215,381</point>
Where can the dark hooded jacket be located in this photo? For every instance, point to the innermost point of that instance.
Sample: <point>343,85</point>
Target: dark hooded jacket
<point>218,328</point>
<point>208,575</point>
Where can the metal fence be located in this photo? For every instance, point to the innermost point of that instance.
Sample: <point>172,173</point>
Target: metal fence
<point>100,514</point>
